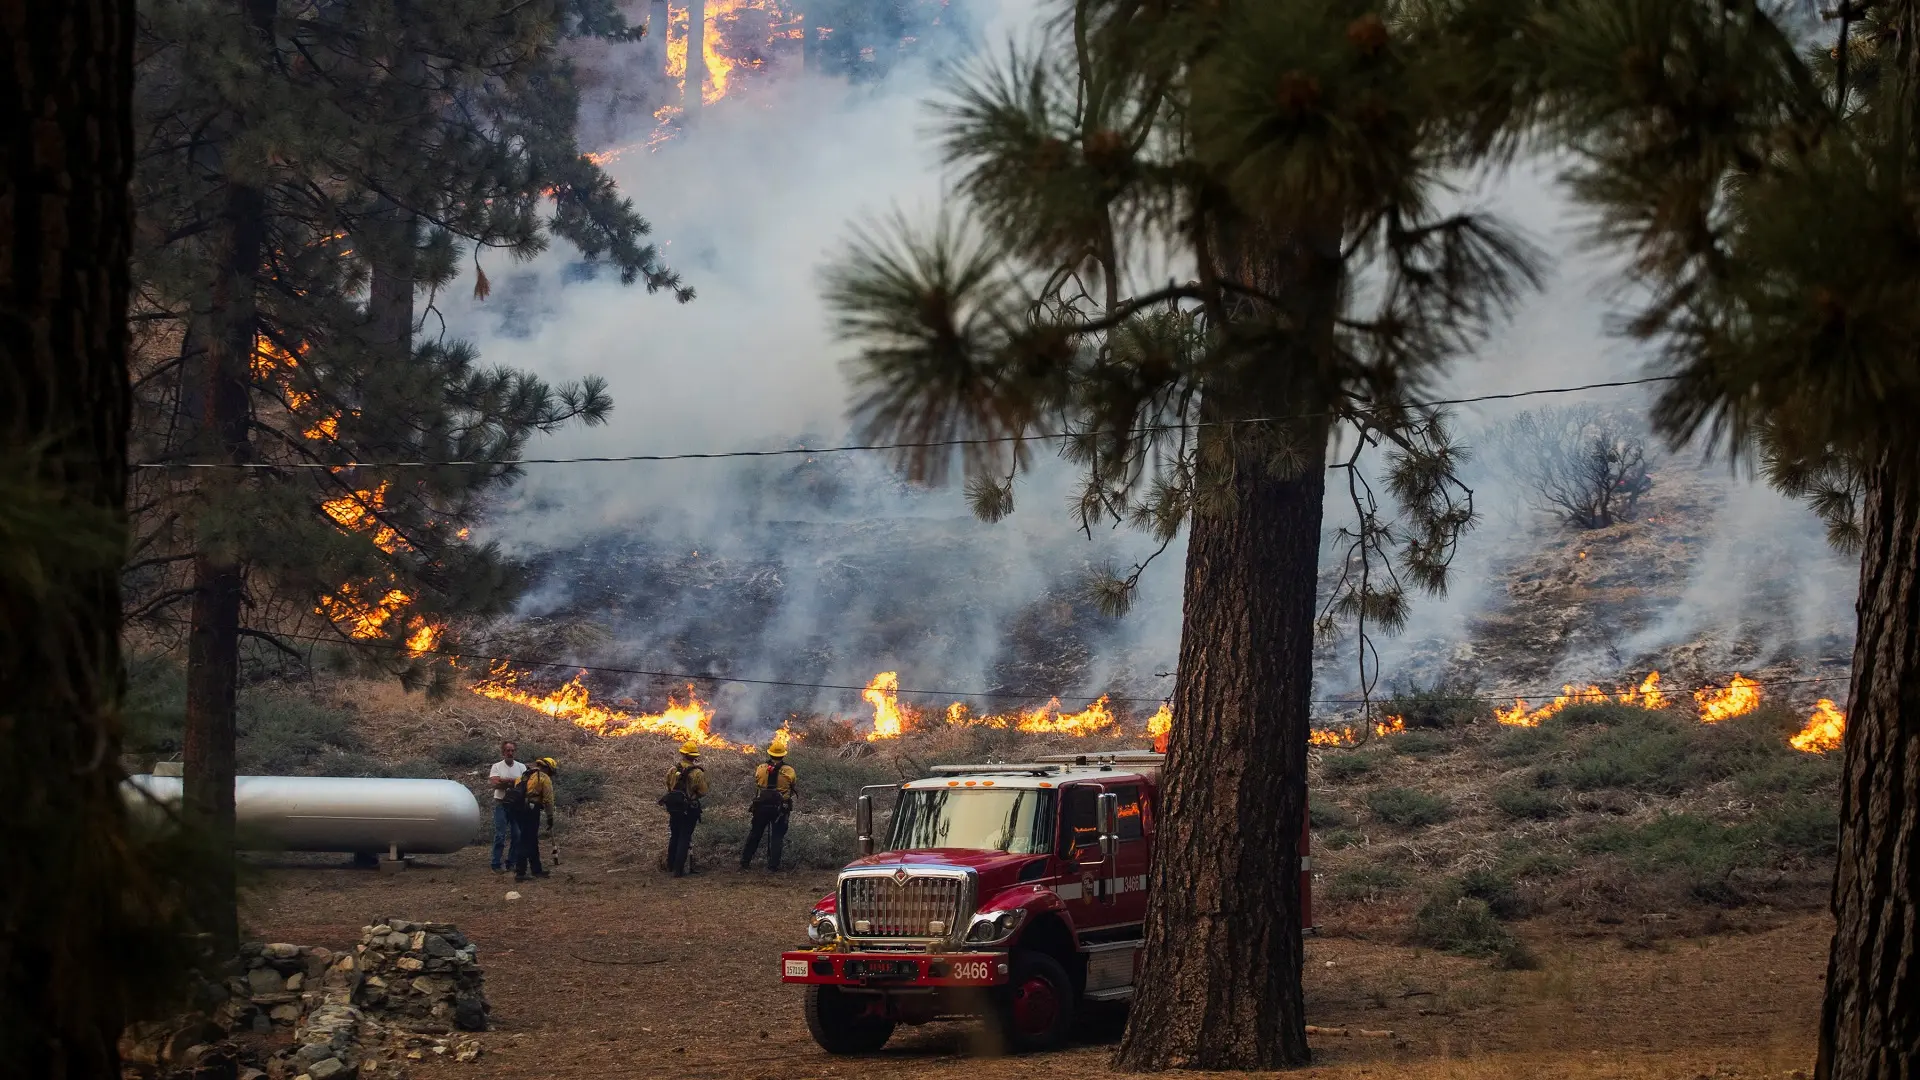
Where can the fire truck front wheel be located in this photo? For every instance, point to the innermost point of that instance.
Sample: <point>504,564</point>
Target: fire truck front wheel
<point>843,1023</point>
<point>1034,1011</point>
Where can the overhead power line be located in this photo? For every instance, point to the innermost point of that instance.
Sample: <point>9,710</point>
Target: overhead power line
<point>1018,695</point>
<point>931,444</point>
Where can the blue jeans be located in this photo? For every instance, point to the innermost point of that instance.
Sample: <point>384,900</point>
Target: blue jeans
<point>504,830</point>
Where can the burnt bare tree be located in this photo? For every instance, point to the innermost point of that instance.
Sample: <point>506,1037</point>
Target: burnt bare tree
<point>1585,466</point>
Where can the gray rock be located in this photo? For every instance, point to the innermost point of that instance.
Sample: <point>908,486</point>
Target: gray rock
<point>280,950</point>
<point>295,981</point>
<point>437,947</point>
<point>262,1024</point>
<point>285,1014</point>
<point>326,1068</point>
<point>263,980</point>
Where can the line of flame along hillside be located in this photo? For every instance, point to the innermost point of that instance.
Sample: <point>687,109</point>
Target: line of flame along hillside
<point>892,718</point>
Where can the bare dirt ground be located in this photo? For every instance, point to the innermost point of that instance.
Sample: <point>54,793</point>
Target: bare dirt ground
<point>610,969</point>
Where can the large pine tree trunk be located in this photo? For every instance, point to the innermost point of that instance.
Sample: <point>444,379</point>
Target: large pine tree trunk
<point>213,640</point>
<point>1220,987</point>
<point>1870,1026</point>
<point>66,154</point>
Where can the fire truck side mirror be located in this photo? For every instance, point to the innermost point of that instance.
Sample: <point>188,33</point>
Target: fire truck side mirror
<point>863,823</point>
<point>1109,811</point>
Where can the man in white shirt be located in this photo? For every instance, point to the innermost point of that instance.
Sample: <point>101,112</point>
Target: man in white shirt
<point>502,776</point>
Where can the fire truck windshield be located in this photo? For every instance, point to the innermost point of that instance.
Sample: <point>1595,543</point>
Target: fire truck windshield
<point>1010,820</point>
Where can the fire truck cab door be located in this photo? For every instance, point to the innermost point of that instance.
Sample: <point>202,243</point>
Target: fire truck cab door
<point>1110,901</point>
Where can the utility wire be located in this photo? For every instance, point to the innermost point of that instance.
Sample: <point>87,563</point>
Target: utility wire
<point>923,445</point>
<point>684,676</point>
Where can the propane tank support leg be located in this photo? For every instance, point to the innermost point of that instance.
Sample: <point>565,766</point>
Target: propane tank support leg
<point>393,861</point>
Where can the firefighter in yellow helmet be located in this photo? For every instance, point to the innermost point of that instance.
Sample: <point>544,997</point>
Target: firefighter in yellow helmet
<point>535,795</point>
<point>686,786</point>
<point>774,782</point>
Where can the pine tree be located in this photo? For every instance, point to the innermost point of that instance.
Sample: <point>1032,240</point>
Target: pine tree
<point>88,936</point>
<point>1765,198</point>
<point>1295,154</point>
<point>312,171</point>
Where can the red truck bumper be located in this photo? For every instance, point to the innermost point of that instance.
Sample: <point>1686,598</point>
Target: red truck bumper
<point>883,971</point>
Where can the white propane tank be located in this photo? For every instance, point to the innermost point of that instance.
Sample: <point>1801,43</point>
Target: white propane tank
<point>335,813</point>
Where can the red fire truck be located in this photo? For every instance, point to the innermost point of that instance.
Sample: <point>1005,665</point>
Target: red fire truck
<point>1013,892</point>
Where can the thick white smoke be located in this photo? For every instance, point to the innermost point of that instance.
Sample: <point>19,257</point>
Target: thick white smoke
<point>855,571</point>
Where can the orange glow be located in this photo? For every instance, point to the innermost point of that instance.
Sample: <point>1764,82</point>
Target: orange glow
<point>1737,698</point>
<point>1826,729</point>
<point>326,428</point>
<point>883,693</point>
<point>361,619</point>
<point>424,639</point>
<point>1159,726</point>
<point>691,719</point>
<point>1647,695</point>
<point>1346,735</point>
<point>738,36</point>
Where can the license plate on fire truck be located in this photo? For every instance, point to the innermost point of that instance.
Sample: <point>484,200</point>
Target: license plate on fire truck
<point>885,969</point>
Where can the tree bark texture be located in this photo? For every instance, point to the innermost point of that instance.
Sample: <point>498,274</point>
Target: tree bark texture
<point>213,640</point>
<point>695,87</point>
<point>1870,1025</point>
<point>66,153</point>
<point>1220,986</point>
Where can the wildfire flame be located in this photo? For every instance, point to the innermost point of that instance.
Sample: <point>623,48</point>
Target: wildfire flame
<point>1826,729</point>
<point>1346,735</point>
<point>726,22</point>
<point>1647,695</point>
<point>1737,698</point>
<point>1159,726</point>
<point>883,693</point>
<point>363,619</point>
<point>691,719</point>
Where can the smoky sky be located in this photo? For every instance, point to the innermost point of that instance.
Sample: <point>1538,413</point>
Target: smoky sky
<point>858,571</point>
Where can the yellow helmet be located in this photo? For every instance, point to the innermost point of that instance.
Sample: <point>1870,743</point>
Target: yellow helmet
<point>548,764</point>
<point>778,747</point>
<point>690,748</point>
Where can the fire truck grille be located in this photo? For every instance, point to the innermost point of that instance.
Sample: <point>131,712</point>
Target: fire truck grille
<point>904,909</point>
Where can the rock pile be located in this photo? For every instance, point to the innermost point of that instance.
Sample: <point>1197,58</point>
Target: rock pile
<point>277,983</point>
<point>420,977</point>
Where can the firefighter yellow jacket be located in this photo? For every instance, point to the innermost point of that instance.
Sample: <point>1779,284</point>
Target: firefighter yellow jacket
<point>785,781</point>
<point>539,790</point>
<point>696,781</point>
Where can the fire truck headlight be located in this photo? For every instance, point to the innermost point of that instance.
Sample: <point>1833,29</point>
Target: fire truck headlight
<point>822,929</point>
<point>994,926</point>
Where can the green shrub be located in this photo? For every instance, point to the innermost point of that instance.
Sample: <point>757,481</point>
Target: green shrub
<point>578,786</point>
<point>1527,742</point>
<point>1339,766</point>
<point>1341,839</point>
<point>1607,715</point>
<point>1805,827</point>
<point>1461,925</point>
<point>1365,884</point>
<point>278,734</point>
<point>1326,815</point>
<point>1442,705</point>
<point>815,843</point>
<point>828,780</point>
<point>1648,757</point>
<point>1406,806</point>
<point>1420,743</point>
<point>1696,846</point>
<point>470,754</point>
<point>1527,865</point>
<point>1528,803</point>
<point>1498,891</point>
